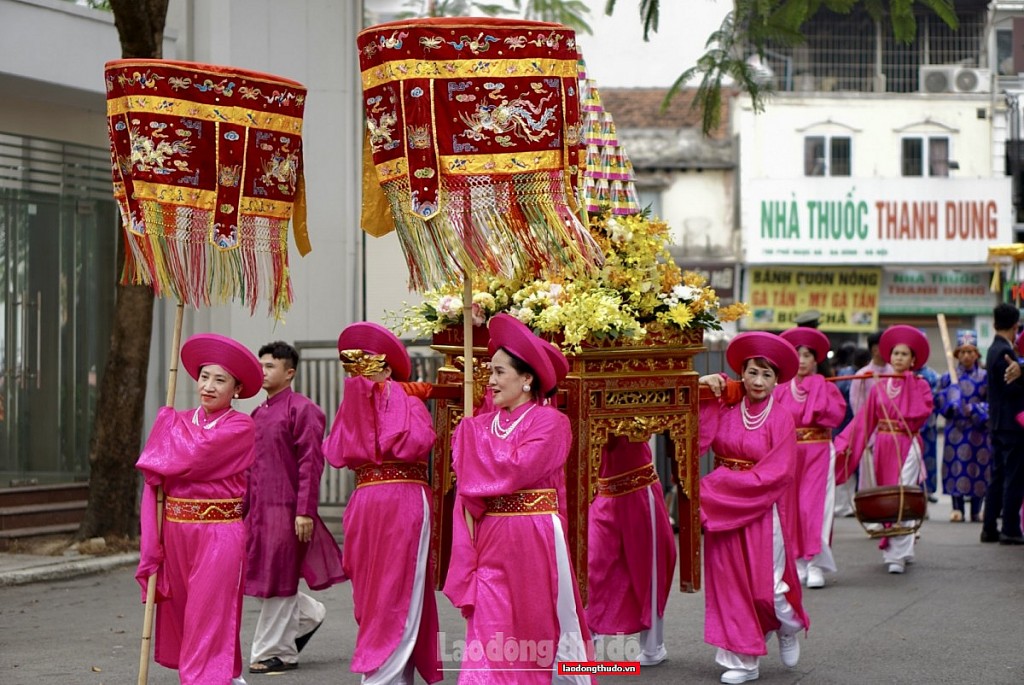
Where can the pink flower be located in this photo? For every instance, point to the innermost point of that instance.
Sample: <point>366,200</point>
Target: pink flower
<point>478,314</point>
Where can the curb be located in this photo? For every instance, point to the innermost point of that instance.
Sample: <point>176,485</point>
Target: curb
<point>67,568</point>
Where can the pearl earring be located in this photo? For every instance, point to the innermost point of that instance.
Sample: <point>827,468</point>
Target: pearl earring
<point>526,388</point>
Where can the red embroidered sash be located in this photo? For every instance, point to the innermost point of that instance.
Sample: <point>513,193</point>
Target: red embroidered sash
<point>180,510</point>
<point>523,503</point>
<point>733,464</point>
<point>392,472</point>
<point>625,483</point>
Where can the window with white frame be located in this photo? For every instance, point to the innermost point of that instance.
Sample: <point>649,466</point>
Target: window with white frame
<point>925,156</point>
<point>827,156</point>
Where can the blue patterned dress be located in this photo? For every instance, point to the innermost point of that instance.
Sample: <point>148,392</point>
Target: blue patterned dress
<point>967,456</point>
<point>930,432</point>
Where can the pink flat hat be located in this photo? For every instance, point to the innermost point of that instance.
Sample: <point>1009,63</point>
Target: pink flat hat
<point>811,338</point>
<point>512,334</point>
<point>558,362</point>
<point>204,349</point>
<point>779,352</point>
<point>375,339</point>
<point>905,335</point>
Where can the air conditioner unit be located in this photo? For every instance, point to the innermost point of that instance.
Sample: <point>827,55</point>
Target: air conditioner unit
<point>953,78</point>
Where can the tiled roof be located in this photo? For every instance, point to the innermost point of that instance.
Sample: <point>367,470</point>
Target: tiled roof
<point>641,108</point>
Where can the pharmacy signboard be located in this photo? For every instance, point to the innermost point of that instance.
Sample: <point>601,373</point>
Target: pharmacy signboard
<point>875,221</point>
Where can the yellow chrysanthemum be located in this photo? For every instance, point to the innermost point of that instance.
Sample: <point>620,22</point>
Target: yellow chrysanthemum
<point>638,282</point>
<point>734,312</point>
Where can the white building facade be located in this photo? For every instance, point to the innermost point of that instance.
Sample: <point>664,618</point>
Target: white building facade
<point>58,257</point>
<point>876,179</point>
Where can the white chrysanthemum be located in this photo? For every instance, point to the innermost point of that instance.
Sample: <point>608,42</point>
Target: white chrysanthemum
<point>525,315</point>
<point>618,232</point>
<point>684,292</point>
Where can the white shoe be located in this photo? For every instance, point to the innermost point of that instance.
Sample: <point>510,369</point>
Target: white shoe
<point>740,675</point>
<point>815,578</point>
<point>789,650</point>
<point>646,659</point>
<point>896,567</point>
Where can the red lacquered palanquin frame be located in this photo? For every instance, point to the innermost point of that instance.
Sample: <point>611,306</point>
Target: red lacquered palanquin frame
<point>636,390</point>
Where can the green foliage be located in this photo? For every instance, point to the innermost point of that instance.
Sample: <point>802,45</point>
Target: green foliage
<point>94,4</point>
<point>755,24</point>
<point>649,14</point>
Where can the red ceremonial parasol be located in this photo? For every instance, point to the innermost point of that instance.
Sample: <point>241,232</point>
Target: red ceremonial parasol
<point>473,151</point>
<point>207,170</point>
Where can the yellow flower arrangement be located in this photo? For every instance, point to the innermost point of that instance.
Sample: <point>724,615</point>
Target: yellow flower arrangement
<point>638,283</point>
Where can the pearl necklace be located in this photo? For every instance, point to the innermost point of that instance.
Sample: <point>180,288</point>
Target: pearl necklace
<point>211,424</point>
<point>892,391</point>
<point>799,394</point>
<point>752,423</point>
<point>503,433</point>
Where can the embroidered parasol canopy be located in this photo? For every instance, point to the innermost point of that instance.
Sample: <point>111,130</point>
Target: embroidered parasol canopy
<point>474,141</point>
<point>207,166</point>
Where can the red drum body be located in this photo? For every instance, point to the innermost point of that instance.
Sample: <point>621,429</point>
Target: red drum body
<point>893,506</point>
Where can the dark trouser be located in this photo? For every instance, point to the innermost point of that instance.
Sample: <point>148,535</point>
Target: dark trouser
<point>1006,488</point>
<point>958,504</point>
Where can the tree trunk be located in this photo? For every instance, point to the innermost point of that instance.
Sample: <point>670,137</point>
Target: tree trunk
<point>120,406</point>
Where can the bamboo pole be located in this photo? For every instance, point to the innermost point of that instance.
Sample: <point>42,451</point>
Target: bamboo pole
<point>947,348</point>
<point>467,366</point>
<point>147,620</point>
<point>862,376</point>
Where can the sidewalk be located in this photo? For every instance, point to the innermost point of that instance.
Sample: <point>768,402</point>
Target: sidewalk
<point>19,569</point>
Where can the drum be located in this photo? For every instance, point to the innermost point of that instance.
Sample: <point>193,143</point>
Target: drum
<point>891,510</point>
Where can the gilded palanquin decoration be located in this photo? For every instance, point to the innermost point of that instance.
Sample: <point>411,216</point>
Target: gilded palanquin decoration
<point>635,389</point>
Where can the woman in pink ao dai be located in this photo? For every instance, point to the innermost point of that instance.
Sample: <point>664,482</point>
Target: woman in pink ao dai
<point>510,572</point>
<point>817,407</point>
<point>748,511</point>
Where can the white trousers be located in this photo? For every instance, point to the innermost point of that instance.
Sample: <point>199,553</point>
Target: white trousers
<point>282,619</point>
<point>791,623</point>
<point>901,547</point>
<point>397,669</point>
<point>824,559</point>
<point>652,641</point>
<point>570,642</point>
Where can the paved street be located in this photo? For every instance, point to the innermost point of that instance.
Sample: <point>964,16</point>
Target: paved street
<point>956,616</point>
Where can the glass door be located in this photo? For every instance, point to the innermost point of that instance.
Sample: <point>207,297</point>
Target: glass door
<point>56,295</point>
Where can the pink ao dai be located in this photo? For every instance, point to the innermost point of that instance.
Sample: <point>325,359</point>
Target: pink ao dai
<point>736,513</point>
<point>383,523</point>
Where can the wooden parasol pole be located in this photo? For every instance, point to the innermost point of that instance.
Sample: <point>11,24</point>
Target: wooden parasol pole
<point>947,348</point>
<point>147,621</point>
<point>467,347</point>
<point>467,366</point>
